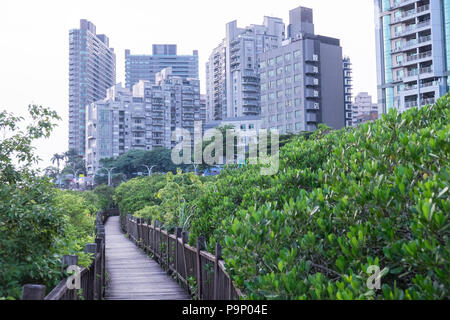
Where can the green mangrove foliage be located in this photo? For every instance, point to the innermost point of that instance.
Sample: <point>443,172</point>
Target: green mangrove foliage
<point>343,203</point>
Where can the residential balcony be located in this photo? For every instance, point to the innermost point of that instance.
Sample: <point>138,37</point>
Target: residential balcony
<point>411,29</point>
<point>419,56</point>
<point>310,105</point>
<point>411,13</point>
<point>424,102</point>
<point>311,94</point>
<point>312,70</point>
<point>416,42</point>
<point>311,81</point>
<point>311,117</point>
<point>401,3</point>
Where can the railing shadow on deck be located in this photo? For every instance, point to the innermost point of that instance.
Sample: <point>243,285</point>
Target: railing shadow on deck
<point>92,279</point>
<point>203,274</point>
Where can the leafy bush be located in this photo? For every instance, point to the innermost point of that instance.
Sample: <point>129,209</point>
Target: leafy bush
<point>104,194</point>
<point>138,193</point>
<point>342,201</point>
<point>37,224</point>
<point>375,195</point>
<point>178,200</point>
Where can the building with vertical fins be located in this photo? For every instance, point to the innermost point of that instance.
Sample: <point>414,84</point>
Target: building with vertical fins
<point>92,70</point>
<point>413,44</point>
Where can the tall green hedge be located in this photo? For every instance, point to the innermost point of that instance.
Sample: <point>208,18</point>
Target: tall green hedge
<point>341,202</point>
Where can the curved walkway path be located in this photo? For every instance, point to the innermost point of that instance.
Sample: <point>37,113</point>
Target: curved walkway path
<point>132,274</point>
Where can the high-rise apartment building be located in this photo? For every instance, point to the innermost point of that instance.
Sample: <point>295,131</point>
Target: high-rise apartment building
<point>302,81</point>
<point>143,117</point>
<point>363,109</point>
<point>348,87</point>
<point>232,83</point>
<point>145,67</point>
<point>413,45</point>
<point>92,70</point>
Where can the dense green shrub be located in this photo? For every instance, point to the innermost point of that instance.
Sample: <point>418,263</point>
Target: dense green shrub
<point>37,224</point>
<point>104,194</point>
<point>138,193</point>
<point>375,195</point>
<point>182,189</point>
<point>341,202</point>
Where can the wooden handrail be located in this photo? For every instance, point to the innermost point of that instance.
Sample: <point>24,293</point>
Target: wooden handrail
<point>192,263</point>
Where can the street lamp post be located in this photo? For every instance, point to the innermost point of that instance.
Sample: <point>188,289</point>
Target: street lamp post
<point>150,169</point>
<point>109,174</point>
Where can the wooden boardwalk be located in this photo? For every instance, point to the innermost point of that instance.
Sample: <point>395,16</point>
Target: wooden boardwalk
<point>132,274</point>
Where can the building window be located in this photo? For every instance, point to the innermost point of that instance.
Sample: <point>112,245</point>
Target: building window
<point>298,102</point>
<point>297,114</point>
<point>279,59</point>
<point>298,126</point>
<point>288,68</point>
<point>298,90</point>
<point>271,73</point>
<point>287,57</point>
<point>279,71</point>
<point>296,54</point>
<point>280,94</point>
<point>279,82</point>
<point>298,78</point>
<point>297,67</point>
<point>288,80</point>
<point>279,117</point>
<point>271,62</point>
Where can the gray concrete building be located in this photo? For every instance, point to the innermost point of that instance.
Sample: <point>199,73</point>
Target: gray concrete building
<point>413,41</point>
<point>143,117</point>
<point>232,82</point>
<point>92,70</point>
<point>145,67</point>
<point>363,108</point>
<point>302,81</point>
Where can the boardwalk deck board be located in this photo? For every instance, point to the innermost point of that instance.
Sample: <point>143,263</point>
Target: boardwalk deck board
<point>132,274</point>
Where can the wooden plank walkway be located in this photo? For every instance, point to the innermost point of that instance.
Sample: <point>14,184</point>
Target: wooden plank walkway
<point>132,274</point>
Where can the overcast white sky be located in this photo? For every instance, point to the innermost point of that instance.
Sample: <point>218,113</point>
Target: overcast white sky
<point>34,48</point>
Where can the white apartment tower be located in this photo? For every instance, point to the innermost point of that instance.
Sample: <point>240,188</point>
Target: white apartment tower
<point>232,83</point>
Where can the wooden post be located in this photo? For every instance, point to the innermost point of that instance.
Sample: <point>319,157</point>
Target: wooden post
<point>217,257</point>
<point>147,234</point>
<point>184,240</point>
<point>33,292</point>
<point>92,283</point>
<point>200,247</point>
<point>99,274</point>
<point>155,225</point>
<point>177,262</point>
<point>168,251</point>
<point>70,260</point>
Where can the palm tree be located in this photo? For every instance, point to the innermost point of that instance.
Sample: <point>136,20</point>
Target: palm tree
<point>57,158</point>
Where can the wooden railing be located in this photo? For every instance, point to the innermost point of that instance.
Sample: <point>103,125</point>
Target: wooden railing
<point>92,279</point>
<point>200,272</point>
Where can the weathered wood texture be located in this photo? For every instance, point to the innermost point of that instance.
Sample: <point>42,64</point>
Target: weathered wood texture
<point>132,275</point>
<point>197,269</point>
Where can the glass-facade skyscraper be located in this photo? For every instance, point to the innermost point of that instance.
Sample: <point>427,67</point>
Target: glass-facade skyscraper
<point>92,70</point>
<point>413,42</point>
